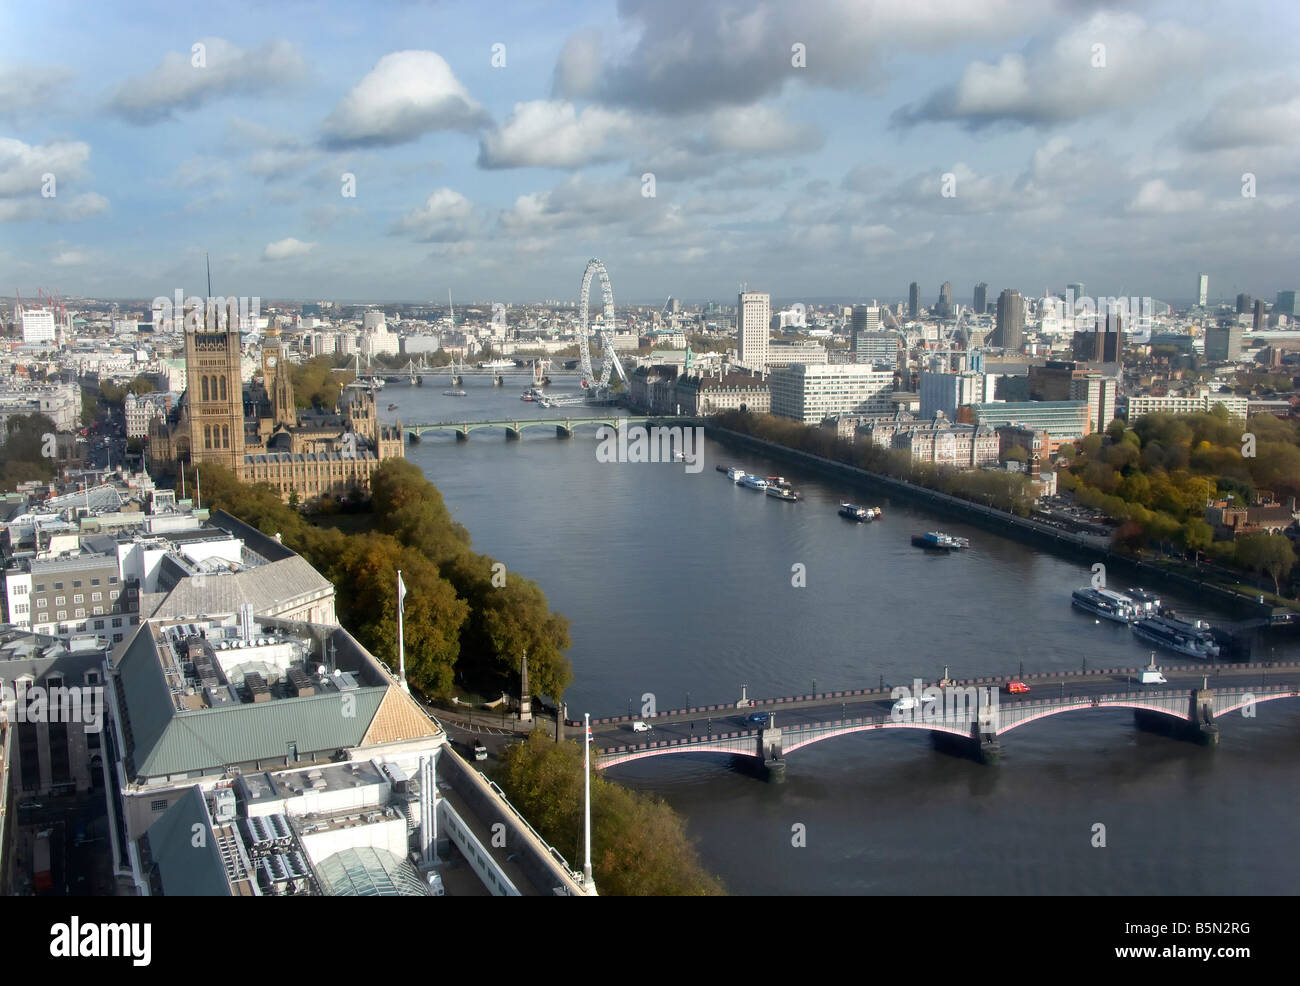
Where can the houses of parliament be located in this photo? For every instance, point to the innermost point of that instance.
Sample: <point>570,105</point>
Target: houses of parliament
<point>258,433</point>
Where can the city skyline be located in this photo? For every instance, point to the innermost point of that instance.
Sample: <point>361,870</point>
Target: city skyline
<point>837,151</point>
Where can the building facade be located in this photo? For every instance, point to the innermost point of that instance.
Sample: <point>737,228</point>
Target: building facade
<point>256,432</point>
<point>812,393</point>
<point>753,320</point>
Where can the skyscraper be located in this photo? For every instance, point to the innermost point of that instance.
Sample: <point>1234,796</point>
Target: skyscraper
<point>1261,318</point>
<point>981,298</point>
<point>944,308</point>
<point>753,316</point>
<point>869,344</point>
<point>1077,288</point>
<point>1243,303</point>
<point>1202,289</point>
<point>1011,320</point>
<point>914,300</point>
<point>1286,304</point>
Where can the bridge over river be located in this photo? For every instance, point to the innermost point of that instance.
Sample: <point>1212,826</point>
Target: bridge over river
<point>564,425</point>
<point>968,716</point>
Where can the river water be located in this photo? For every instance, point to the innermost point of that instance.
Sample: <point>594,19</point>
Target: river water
<point>681,585</point>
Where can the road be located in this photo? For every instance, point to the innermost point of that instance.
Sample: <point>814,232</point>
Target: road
<point>878,703</point>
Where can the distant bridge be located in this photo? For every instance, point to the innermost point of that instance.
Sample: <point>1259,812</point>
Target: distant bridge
<point>564,426</point>
<point>1194,697</point>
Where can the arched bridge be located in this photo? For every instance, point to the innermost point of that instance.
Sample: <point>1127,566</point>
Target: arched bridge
<point>970,715</point>
<point>564,426</point>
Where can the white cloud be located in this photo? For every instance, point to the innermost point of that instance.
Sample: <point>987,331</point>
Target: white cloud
<point>1057,78</point>
<point>1156,197</point>
<point>28,87</point>
<point>286,248</point>
<point>444,218</point>
<point>407,94</point>
<point>22,166</point>
<point>1260,113</point>
<point>178,83</point>
<point>552,134</point>
<point>760,129</point>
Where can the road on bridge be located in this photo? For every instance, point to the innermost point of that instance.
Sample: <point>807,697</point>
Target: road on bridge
<point>683,725</point>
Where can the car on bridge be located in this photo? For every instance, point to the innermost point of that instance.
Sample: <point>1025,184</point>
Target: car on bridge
<point>758,718</point>
<point>1016,688</point>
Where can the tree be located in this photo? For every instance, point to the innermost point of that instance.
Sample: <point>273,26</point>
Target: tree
<point>639,844</point>
<point>293,498</point>
<point>1196,534</point>
<point>1271,554</point>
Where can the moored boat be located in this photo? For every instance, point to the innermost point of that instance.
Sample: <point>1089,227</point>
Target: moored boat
<point>853,512</point>
<point>753,482</point>
<point>736,475</point>
<point>1194,638</point>
<point>783,491</point>
<point>1106,603</point>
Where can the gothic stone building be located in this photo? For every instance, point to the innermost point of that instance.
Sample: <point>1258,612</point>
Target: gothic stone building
<point>258,433</point>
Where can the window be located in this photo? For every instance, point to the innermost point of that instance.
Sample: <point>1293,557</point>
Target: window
<point>76,584</point>
<point>117,638</point>
<point>160,805</point>
<point>58,586</point>
<point>96,597</point>
<point>20,590</point>
<point>94,581</point>
<point>61,614</point>
<point>78,598</point>
<point>40,588</point>
<point>113,594</point>
<point>112,580</point>
<point>99,624</point>
<point>60,600</point>
<point>117,621</point>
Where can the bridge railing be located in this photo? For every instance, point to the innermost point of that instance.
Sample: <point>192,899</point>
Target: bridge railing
<point>1085,674</point>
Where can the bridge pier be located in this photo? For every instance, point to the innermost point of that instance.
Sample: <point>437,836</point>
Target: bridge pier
<point>457,380</point>
<point>769,745</point>
<point>512,434</point>
<point>419,381</point>
<point>1198,727</point>
<point>413,438</point>
<point>498,380</point>
<point>462,434</point>
<point>563,431</point>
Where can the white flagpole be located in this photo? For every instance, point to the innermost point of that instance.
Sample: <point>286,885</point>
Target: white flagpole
<point>401,646</point>
<point>586,800</point>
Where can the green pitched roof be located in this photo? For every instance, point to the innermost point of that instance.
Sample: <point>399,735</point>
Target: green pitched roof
<point>184,868</point>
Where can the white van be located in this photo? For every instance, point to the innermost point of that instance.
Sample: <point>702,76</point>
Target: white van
<point>1152,677</point>
<point>640,727</point>
<point>906,704</point>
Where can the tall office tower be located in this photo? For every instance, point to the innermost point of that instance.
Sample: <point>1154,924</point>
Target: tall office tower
<point>914,300</point>
<point>1261,318</point>
<point>1202,289</point>
<point>1076,288</point>
<point>1011,320</point>
<point>1286,304</point>
<point>944,308</point>
<point>1243,303</point>
<point>866,319</point>
<point>981,298</point>
<point>753,317</point>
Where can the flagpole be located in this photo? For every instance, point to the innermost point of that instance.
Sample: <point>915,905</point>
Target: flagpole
<point>586,801</point>
<point>401,644</point>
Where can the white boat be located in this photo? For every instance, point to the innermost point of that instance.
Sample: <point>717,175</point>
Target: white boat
<point>753,483</point>
<point>1106,603</point>
<point>497,364</point>
<point>736,475</point>
<point>376,383</point>
<point>1193,638</point>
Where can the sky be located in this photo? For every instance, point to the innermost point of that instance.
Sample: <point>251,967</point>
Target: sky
<point>817,149</point>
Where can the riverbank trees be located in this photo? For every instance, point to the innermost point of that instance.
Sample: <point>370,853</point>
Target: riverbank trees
<point>467,619</point>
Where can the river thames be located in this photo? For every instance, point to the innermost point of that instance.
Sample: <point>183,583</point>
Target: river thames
<point>682,585</point>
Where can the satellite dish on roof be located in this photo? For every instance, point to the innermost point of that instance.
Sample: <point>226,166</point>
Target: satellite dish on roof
<point>321,670</point>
